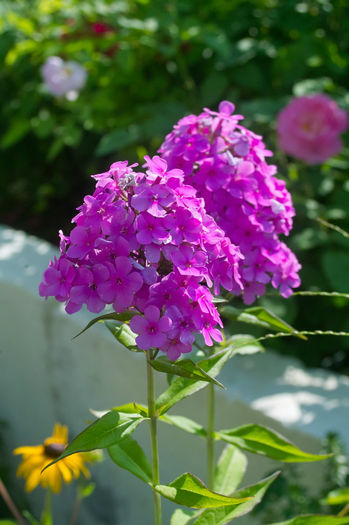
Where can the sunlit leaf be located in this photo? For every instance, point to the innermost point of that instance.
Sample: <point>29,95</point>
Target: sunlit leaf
<point>129,455</point>
<point>230,470</point>
<point>183,368</point>
<point>224,515</point>
<point>261,440</point>
<point>188,490</point>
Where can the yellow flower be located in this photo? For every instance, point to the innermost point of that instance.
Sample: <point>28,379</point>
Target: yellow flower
<point>38,457</point>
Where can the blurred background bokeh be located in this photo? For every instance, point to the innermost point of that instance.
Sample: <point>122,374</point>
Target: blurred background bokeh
<point>150,62</point>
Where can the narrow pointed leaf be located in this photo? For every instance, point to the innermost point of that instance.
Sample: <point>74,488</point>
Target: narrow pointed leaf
<point>124,335</point>
<point>244,344</point>
<point>261,440</point>
<point>183,368</point>
<point>315,519</point>
<point>184,423</point>
<point>338,497</point>
<point>124,316</point>
<point>230,470</point>
<point>103,433</point>
<point>183,387</point>
<point>224,515</point>
<point>182,516</point>
<point>188,490</point>
<point>132,408</point>
<point>129,455</point>
<point>259,316</point>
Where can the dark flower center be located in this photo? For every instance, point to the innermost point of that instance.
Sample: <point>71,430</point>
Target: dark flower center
<point>54,450</point>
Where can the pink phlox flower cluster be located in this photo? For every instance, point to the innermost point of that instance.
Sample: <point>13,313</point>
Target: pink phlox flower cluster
<point>143,241</point>
<point>226,163</point>
<point>309,128</point>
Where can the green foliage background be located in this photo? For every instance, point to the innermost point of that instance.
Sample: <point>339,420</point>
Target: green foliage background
<point>157,61</point>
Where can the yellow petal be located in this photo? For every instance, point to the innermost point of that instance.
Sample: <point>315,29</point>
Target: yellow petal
<point>33,480</point>
<point>65,471</point>
<point>52,478</point>
<point>38,449</point>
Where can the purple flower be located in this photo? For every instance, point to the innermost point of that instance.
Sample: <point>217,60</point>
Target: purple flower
<point>227,166</point>
<point>189,262</point>
<point>150,229</point>
<point>58,279</point>
<point>309,128</point>
<point>121,285</point>
<point>84,289</point>
<point>144,241</point>
<point>151,328</point>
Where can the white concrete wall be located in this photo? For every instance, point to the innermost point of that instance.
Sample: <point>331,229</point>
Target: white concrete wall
<point>47,377</point>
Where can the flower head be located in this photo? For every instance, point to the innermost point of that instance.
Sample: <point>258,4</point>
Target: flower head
<point>226,163</point>
<point>309,128</point>
<point>143,241</point>
<point>36,458</point>
<point>63,78</point>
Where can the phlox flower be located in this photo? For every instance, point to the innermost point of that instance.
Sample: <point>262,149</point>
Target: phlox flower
<point>63,78</point>
<point>143,242</point>
<point>309,128</point>
<point>226,163</point>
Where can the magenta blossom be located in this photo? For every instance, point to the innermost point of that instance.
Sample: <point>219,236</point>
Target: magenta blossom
<point>309,128</point>
<point>143,242</point>
<point>226,163</point>
<point>151,328</point>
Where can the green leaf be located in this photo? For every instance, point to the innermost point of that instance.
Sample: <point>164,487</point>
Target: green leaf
<point>188,490</point>
<point>117,139</point>
<point>338,497</point>
<point>28,516</point>
<point>184,423</point>
<point>103,433</point>
<point>86,490</point>
<point>261,440</point>
<point>230,470</point>
<point>129,455</point>
<point>260,316</point>
<point>336,266</point>
<point>183,368</point>
<point>132,408</point>
<point>315,519</point>
<point>125,316</point>
<point>124,335</point>
<point>182,516</point>
<point>224,515</point>
<point>18,129</point>
<point>183,387</point>
<point>244,344</point>
<point>8,522</point>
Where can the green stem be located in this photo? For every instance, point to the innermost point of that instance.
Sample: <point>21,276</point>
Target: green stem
<point>210,437</point>
<point>75,511</point>
<point>46,516</point>
<point>344,511</point>
<point>154,442</point>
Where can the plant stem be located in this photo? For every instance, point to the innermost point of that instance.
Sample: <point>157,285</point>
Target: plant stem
<point>46,516</point>
<point>210,438</point>
<point>10,504</point>
<point>344,511</point>
<point>75,511</point>
<point>154,442</point>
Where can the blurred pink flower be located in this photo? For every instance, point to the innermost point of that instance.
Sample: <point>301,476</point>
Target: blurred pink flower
<point>309,128</point>
<point>63,78</point>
